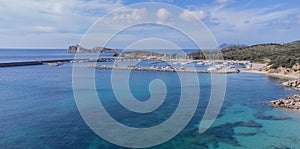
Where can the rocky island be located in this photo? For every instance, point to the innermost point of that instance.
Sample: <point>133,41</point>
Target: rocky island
<point>291,102</point>
<point>79,49</point>
<point>294,84</point>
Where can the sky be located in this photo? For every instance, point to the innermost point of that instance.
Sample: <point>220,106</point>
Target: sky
<point>58,24</point>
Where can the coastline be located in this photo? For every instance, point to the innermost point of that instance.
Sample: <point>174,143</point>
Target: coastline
<point>283,76</point>
<point>262,68</point>
<point>280,76</point>
<point>290,79</point>
<point>252,71</point>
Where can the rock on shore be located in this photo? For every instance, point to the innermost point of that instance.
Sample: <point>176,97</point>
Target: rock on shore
<point>294,84</point>
<point>291,102</point>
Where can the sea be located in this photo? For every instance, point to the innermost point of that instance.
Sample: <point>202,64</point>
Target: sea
<point>38,108</point>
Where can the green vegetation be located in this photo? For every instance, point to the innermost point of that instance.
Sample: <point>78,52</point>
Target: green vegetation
<point>285,55</point>
<point>140,54</point>
<point>143,54</point>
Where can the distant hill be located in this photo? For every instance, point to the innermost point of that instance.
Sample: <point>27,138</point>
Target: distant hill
<point>285,54</point>
<point>226,45</point>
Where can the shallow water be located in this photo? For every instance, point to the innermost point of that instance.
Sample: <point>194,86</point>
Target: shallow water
<point>38,110</point>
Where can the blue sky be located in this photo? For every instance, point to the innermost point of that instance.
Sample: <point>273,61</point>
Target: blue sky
<point>58,24</point>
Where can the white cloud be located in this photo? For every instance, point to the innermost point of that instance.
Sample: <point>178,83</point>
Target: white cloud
<point>199,14</point>
<point>162,1</point>
<point>43,22</point>
<point>237,19</point>
<point>45,40</point>
<point>22,18</point>
<point>164,16</point>
<point>189,15</point>
<point>61,16</point>
<point>234,24</point>
<point>44,28</point>
<point>298,19</point>
<point>223,1</point>
<point>130,15</point>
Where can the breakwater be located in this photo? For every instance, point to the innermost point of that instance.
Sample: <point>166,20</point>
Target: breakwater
<point>27,63</point>
<point>221,71</point>
<point>53,62</point>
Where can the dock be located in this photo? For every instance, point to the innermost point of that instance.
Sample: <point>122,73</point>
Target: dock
<point>160,69</point>
<point>222,71</point>
<point>41,62</point>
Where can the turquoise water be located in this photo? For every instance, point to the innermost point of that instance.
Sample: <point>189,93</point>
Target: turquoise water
<point>38,110</point>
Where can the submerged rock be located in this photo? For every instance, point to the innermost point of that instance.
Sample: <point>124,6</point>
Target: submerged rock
<point>225,133</point>
<point>269,117</point>
<point>291,102</point>
<point>281,147</point>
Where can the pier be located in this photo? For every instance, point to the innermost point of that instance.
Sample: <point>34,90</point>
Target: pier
<point>221,71</point>
<point>27,63</point>
<point>161,69</point>
<point>53,62</point>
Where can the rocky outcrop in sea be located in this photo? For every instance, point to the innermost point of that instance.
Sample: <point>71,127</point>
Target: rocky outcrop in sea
<point>294,84</point>
<point>291,102</point>
<point>79,49</point>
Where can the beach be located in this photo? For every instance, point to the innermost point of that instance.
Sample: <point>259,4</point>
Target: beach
<point>281,76</point>
<point>260,68</point>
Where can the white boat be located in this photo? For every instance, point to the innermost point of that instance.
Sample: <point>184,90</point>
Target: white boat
<point>219,66</point>
<point>200,63</point>
<point>248,65</point>
<point>212,68</point>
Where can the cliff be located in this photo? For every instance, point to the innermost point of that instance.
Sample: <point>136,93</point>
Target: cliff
<point>79,49</point>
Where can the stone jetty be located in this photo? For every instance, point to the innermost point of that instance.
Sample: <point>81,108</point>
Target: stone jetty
<point>291,102</point>
<point>221,71</point>
<point>57,62</point>
<point>27,63</point>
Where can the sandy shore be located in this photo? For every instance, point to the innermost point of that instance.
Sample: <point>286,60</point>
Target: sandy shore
<point>289,76</point>
<point>283,76</point>
<point>252,71</point>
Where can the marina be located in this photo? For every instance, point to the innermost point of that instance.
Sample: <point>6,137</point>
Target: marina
<point>52,62</point>
<point>150,64</point>
<point>165,69</point>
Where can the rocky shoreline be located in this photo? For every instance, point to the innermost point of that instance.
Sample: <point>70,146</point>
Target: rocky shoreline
<point>294,84</point>
<point>291,102</point>
<point>279,73</point>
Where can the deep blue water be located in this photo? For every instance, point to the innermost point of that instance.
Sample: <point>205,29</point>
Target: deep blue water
<point>38,110</point>
<point>14,55</point>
